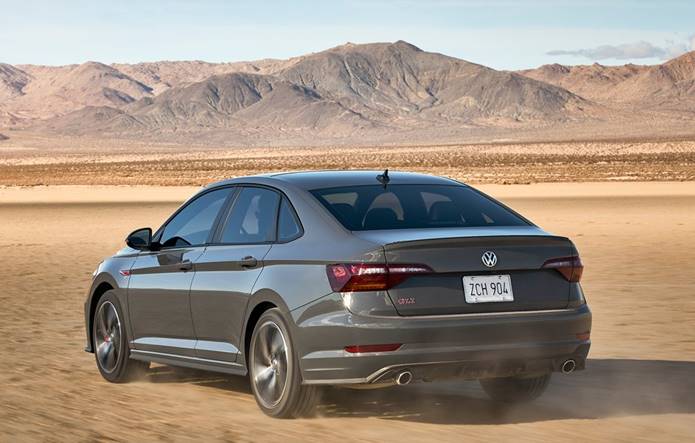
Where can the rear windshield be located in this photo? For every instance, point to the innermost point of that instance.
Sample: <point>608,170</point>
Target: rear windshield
<point>372,207</point>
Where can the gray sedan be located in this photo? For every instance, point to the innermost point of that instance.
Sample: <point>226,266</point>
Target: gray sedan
<point>357,279</point>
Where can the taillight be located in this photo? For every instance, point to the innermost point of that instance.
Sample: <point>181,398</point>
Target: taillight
<point>356,277</point>
<point>570,267</point>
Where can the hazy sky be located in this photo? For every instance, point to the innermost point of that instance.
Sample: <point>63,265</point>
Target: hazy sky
<point>501,34</point>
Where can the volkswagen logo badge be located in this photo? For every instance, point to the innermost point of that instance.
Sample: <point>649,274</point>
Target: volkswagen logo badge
<point>489,259</point>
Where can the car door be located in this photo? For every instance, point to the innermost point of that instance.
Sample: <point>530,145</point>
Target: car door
<point>227,270</point>
<point>160,280</point>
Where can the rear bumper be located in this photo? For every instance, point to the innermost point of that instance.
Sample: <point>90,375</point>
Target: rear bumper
<point>469,346</point>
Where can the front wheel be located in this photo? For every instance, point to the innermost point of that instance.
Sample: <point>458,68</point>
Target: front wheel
<point>274,370</point>
<point>111,343</point>
<point>515,389</point>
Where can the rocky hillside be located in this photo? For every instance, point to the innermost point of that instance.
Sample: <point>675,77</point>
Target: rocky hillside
<point>377,89</point>
<point>669,85</point>
<point>337,92</point>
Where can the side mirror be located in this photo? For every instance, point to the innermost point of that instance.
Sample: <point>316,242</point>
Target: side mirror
<point>140,239</point>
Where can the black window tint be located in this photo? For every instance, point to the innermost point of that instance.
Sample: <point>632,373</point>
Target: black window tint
<point>252,219</point>
<point>431,198</point>
<point>288,227</point>
<point>372,207</point>
<point>191,226</point>
<point>340,197</point>
<point>387,200</point>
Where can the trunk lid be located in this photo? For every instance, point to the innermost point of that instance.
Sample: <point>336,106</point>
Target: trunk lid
<point>455,253</point>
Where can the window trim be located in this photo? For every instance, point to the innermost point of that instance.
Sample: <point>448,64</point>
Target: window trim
<point>216,239</point>
<point>157,235</point>
<point>222,216</point>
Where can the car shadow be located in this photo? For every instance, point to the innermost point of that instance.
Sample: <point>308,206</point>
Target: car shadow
<point>607,388</point>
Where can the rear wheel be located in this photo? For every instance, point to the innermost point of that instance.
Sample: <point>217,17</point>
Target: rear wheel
<point>274,370</point>
<point>111,343</point>
<point>515,389</point>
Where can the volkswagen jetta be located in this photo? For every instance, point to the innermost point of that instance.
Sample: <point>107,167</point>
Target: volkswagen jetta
<point>355,279</point>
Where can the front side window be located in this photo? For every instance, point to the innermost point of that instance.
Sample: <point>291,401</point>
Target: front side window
<point>373,207</point>
<point>252,218</point>
<point>192,225</point>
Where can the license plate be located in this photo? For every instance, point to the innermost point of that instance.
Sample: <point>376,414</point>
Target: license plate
<point>488,288</point>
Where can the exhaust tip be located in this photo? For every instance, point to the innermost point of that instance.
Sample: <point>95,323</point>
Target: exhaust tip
<point>569,366</point>
<point>404,378</point>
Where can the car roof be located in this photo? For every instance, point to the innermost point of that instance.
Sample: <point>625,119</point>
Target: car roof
<point>310,180</point>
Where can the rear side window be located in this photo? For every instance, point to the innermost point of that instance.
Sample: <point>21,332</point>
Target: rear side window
<point>191,226</point>
<point>252,218</point>
<point>373,207</point>
<point>288,225</point>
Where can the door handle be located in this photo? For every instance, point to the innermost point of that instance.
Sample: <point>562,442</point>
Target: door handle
<point>249,262</point>
<point>186,265</point>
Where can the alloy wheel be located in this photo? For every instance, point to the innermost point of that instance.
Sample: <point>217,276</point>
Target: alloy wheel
<point>270,360</point>
<point>107,335</point>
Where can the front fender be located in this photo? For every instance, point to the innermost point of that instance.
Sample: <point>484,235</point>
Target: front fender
<point>108,276</point>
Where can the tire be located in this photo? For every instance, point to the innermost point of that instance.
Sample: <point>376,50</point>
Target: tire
<point>515,389</point>
<point>274,372</point>
<point>110,340</point>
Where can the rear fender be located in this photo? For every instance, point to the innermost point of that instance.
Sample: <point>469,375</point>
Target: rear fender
<point>257,299</point>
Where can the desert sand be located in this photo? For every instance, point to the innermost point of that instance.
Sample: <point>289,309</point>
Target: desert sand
<point>635,240</point>
<point>33,160</point>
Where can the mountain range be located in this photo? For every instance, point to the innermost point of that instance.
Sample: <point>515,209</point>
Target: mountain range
<point>387,91</point>
<point>665,86</point>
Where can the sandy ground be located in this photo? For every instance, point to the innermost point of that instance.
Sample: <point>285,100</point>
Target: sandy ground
<point>635,239</point>
<point>33,160</point>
